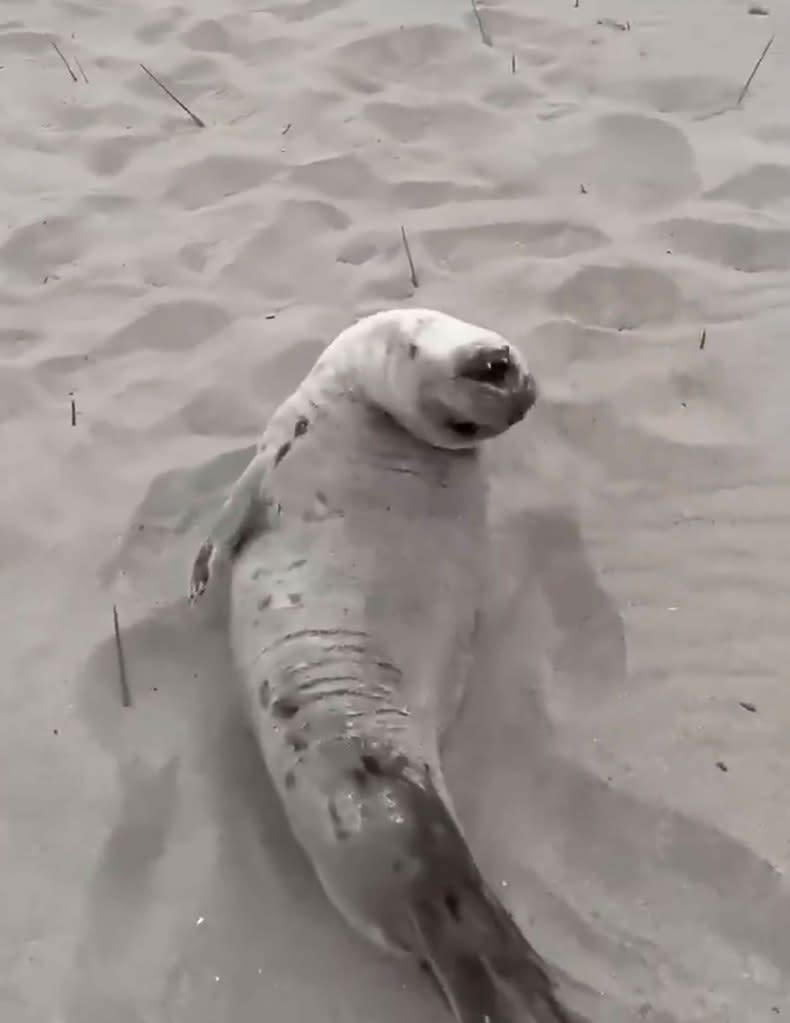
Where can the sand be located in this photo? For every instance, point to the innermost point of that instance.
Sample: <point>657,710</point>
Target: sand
<point>586,185</point>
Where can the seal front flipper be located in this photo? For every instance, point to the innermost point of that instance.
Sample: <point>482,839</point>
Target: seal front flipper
<point>241,510</point>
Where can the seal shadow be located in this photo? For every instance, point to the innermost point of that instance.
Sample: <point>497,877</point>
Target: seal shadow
<point>162,528</point>
<point>577,851</point>
<point>589,655</point>
<point>191,783</point>
<point>200,899</point>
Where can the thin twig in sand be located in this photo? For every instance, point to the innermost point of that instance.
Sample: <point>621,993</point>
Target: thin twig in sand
<point>126,695</point>
<point>73,412</point>
<point>621,26</point>
<point>81,70</point>
<point>703,338</point>
<point>57,50</point>
<point>513,64</point>
<point>483,31</point>
<point>412,270</point>
<point>174,98</point>
<point>755,69</point>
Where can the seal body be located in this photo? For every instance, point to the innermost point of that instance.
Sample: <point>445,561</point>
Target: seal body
<point>352,615</point>
<point>357,540</point>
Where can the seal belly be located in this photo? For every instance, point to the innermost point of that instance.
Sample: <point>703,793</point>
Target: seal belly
<point>349,650</point>
<point>394,554</point>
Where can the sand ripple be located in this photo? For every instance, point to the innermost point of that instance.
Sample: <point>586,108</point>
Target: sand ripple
<point>586,187</point>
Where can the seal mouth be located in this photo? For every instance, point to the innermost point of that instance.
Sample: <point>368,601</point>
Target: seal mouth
<point>464,428</point>
<point>493,372</point>
<point>489,366</point>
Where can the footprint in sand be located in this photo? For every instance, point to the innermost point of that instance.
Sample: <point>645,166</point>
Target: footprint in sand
<point>759,187</point>
<point>619,297</point>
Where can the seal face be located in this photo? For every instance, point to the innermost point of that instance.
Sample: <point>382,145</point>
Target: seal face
<point>356,539</point>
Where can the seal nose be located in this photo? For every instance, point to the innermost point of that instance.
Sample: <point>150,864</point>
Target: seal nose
<point>522,399</point>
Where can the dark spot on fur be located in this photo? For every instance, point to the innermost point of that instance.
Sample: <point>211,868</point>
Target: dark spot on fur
<point>290,779</point>
<point>265,694</point>
<point>321,496</point>
<point>283,451</point>
<point>302,426</point>
<point>371,764</point>
<point>295,598</point>
<point>284,708</point>
<point>385,765</point>
<point>264,602</point>
<point>296,742</point>
<point>413,349</point>
<point>453,904</point>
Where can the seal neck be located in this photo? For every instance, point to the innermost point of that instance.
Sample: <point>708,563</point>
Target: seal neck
<point>361,363</point>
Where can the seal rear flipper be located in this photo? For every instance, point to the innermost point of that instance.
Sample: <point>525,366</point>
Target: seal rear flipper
<point>466,986</point>
<point>436,902</point>
<point>487,970</point>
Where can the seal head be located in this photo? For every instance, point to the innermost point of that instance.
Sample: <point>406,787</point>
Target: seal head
<point>449,383</point>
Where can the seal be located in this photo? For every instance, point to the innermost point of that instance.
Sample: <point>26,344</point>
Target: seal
<point>356,541</point>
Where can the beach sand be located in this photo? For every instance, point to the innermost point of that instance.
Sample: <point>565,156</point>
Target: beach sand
<point>588,185</point>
